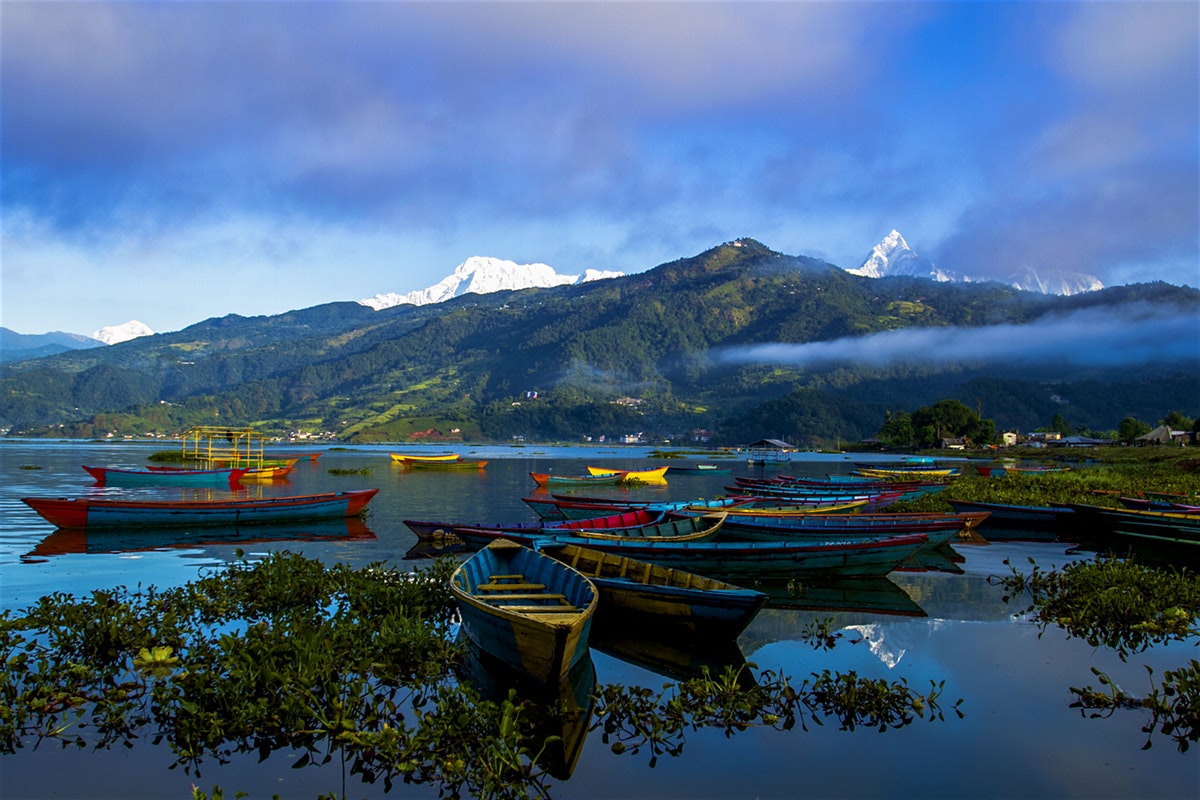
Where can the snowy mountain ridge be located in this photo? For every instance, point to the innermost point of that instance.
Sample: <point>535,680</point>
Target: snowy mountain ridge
<point>893,257</point>
<point>115,334</point>
<point>484,275</point>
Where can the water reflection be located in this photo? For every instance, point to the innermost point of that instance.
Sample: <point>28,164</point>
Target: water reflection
<point>676,659</point>
<point>864,595</point>
<point>562,709</point>
<point>128,540</point>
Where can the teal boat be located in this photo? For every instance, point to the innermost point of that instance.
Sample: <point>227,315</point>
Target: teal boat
<point>166,476</point>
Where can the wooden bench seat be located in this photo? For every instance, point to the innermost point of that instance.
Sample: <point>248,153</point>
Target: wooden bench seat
<point>510,587</point>
<point>494,598</point>
<point>568,609</point>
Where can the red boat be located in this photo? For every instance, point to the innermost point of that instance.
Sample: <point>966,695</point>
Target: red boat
<point>88,512</point>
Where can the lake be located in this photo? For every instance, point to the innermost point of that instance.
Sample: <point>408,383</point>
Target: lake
<point>1018,736</point>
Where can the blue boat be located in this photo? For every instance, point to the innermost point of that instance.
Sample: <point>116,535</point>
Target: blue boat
<point>526,609</point>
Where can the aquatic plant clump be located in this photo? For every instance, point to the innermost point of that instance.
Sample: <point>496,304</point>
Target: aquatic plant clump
<point>1111,602</point>
<point>1127,607</point>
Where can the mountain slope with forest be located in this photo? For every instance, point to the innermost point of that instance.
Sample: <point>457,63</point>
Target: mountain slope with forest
<point>641,353</point>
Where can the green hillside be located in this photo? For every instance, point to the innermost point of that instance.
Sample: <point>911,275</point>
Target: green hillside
<point>639,354</point>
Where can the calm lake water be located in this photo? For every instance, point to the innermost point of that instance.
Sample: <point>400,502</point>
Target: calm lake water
<point>1018,738</point>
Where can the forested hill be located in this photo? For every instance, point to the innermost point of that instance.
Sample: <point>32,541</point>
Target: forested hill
<point>645,353</point>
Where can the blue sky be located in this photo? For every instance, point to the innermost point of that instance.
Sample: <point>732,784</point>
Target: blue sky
<point>170,162</point>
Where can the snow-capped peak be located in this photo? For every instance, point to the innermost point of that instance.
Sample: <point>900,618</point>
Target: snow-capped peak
<point>1054,281</point>
<point>115,334</point>
<point>893,256</point>
<point>483,275</point>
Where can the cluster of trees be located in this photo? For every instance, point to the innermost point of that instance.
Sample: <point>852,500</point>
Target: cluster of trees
<point>928,426</point>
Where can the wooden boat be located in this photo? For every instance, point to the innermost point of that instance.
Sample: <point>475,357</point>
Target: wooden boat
<point>172,476</point>
<point>1161,527</point>
<point>671,528</point>
<point>461,464</point>
<point>698,469</point>
<point>658,599</point>
<point>940,528</point>
<point>768,507</point>
<point>781,495</point>
<point>275,472</point>
<point>88,512</point>
<point>930,472</point>
<point>656,475</point>
<point>560,507</point>
<point>748,561</point>
<point>434,531</point>
<point>911,489</point>
<point>1154,504</point>
<point>1007,521</point>
<point>526,609</point>
<point>406,458</point>
<point>550,479</point>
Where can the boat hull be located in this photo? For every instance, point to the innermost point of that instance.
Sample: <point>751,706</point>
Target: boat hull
<point>742,562</point>
<point>90,513</point>
<point>661,600</point>
<point>542,644</point>
<point>115,476</point>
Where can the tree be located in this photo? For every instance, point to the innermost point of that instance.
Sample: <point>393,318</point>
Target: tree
<point>1131,428</point>
<point>950,419</point>
<point>897,429</point>
<point>1176,421</point>
<point>1060,425</point>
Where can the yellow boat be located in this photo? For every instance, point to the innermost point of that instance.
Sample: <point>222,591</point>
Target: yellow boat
<point>647,475</point>
<point>268,473</point>
<point>893,474</point>
<point>404,458</point>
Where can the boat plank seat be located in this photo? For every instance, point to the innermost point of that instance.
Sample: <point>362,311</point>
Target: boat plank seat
<point>567,609</point>
<point>496,598</point>
<point>510,587</point>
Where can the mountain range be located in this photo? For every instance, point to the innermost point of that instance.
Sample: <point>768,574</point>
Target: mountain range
<point>892,257</point>
<point>483,275</point>
<point>734,344</point>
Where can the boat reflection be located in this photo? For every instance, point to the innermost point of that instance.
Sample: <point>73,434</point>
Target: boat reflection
<point>562,709</point>
<point>864,595</point>
<point>676,659</point>
<point>128,540</point>
<point>941,558</point>
<point>440,545</point>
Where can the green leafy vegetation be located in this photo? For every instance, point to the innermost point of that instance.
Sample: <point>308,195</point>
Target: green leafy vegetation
<point>1126,607</point>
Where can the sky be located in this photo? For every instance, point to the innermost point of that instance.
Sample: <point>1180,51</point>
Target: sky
<point>174,161</point>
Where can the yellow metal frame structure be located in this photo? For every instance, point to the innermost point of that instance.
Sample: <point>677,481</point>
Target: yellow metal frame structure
<point>230,447</point>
